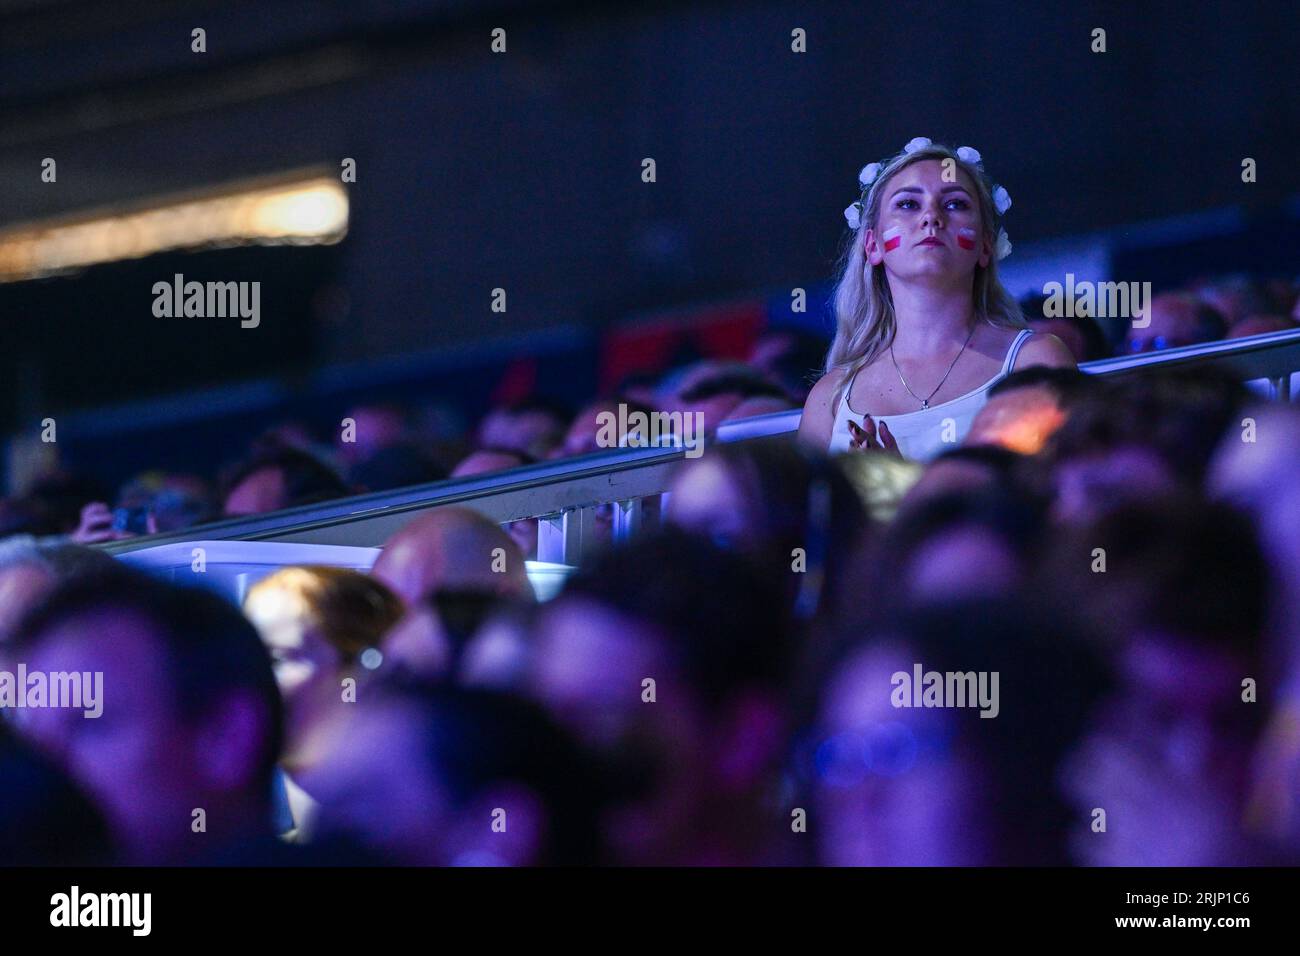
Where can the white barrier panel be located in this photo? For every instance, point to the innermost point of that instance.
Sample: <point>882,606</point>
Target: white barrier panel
<point>232,567</point>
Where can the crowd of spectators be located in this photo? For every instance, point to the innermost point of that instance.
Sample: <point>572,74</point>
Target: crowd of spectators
<point>1109,568</point>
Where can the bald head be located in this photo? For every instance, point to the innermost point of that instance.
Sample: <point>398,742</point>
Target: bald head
<point>452,549</point>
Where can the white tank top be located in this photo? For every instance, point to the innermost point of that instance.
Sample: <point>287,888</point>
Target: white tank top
<point>927,432</point>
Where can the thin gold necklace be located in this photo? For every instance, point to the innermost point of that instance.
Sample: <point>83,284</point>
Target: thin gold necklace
<point>925,402</point>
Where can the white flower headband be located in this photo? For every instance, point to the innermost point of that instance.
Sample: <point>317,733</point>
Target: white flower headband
<point>967,154</point>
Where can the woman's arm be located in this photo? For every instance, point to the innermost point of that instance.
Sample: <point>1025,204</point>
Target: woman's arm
<point>818,419</point>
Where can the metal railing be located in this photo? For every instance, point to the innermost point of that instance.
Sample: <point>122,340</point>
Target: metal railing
<point>564,494</point>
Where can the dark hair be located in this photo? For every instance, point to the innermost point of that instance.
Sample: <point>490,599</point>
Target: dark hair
<point>1065,384</point>
<point>54,502</point>
<point>1051,679</point>
<point>475,739</point>
<point>723,617</point>
<point>747,384</point>
<point>210,649</point>
<point>1179,415</point>
<point>307,479</point>
<point>1095,345</point>
<point>539,405</point>
<point>800,363</point>
<point>1211,324</point>
<point>45,820</point>
<point>62,561</point>
<point>397,466</point>
<point>1186,567</point>
<point>801,501</point>
<point>1003,462</point>
<point>462,612</point>
<point>25,516</point>
<point>1012,517</point>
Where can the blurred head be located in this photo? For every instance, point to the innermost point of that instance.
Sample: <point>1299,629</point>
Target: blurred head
<point>1252,466</point>
<point>1170,756</point>
<point>534,427</point>
<point>1176,319</point>
<point>452,549</point>
<point>1081,333</point>
<point>768,499</point>
<point>1235,297</point>
<point>1138,438</point>
<point>718,396</point>
<point>397,466</point>
<point>668,657</point>
<point>581,437</point>
<point>1260,324</point>
<point>967,468</point>
<point>957,546</point>
<point>29,571</point>
<point>375,428</point>
<point>444,776</point>
<point>190,713</point>
<point>1026,408</point>
<point>319,623</point>
<point>791,357</point>
<point>1168,759</point>
<point>895,781</point>
<point>279,479</point>
<point>433,639</point>
<point>1153,549</point>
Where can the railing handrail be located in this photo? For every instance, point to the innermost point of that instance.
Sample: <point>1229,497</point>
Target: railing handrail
<point>624,474</point>
<point>613,475</point>
<point>1257,356</point>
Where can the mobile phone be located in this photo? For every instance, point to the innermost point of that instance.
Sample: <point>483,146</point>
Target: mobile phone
<point>131,520</point>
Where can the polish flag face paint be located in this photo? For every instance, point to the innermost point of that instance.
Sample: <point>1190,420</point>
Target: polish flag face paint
<point>893,238</point>
<point>966,237</point>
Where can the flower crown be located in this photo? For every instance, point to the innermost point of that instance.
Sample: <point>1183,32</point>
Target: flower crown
<point>967,154</point>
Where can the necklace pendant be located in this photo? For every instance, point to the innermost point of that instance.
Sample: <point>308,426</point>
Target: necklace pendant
<point>925,403</point>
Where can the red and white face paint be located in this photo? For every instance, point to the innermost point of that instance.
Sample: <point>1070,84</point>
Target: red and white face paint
<point>966,237</point>
<point>893,238</point>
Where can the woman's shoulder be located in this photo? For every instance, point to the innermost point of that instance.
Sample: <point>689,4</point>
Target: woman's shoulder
<point>1044,348</point>
<point>823,391</point>
<point>818,419</point>
<point>1035,348</point>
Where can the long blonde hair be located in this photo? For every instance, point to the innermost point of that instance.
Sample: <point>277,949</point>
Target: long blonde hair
<point>864,307</point>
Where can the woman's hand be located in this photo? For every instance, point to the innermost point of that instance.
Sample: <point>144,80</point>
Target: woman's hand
<point>868,436</point>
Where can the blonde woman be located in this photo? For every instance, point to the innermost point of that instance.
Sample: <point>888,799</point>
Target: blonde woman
<point>923,326</point>
<point>321,626</point>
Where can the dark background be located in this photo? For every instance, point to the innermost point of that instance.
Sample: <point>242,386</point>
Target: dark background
<point>522,170</point>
